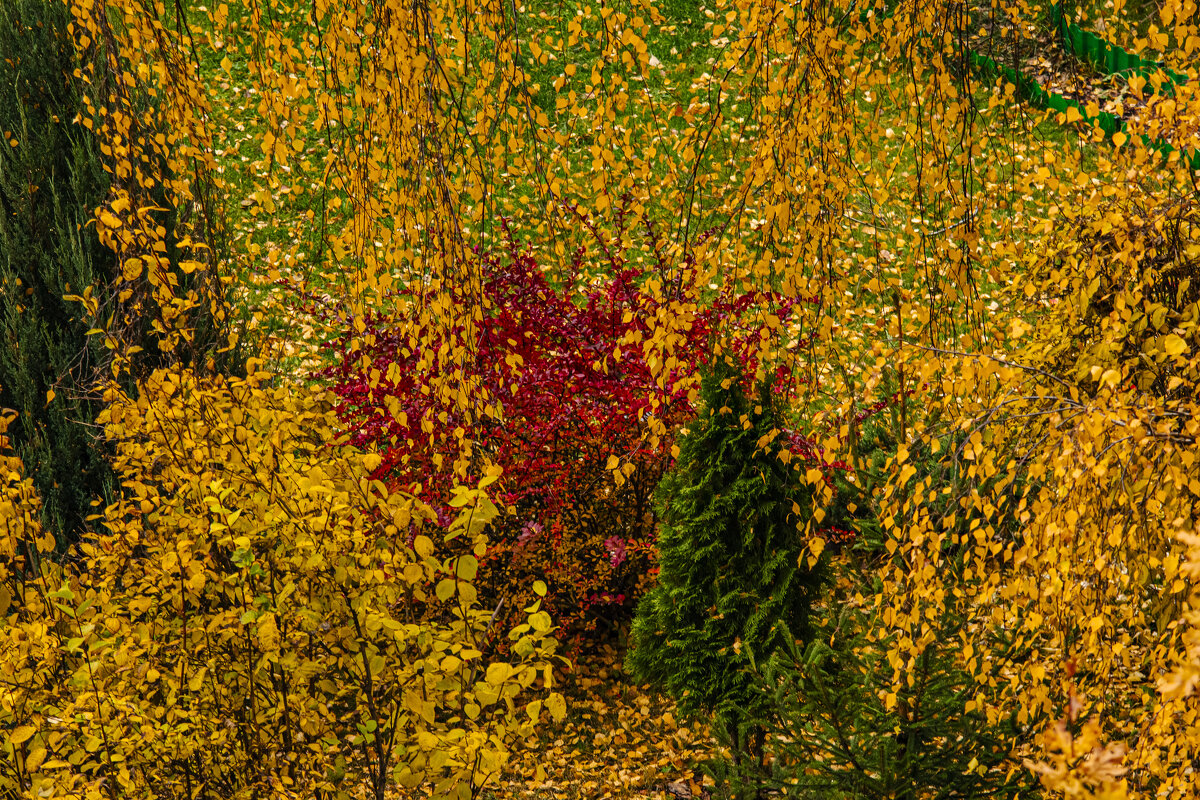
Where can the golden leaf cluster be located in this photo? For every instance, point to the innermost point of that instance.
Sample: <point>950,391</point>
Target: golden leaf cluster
<point>256,617</point>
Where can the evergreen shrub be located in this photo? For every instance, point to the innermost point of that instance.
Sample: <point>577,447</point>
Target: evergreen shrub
<point>51,177</point>
<point>840,727</point>
<point>734,579</point>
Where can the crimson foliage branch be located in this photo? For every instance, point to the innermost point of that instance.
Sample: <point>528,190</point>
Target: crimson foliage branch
<point>573,401</point>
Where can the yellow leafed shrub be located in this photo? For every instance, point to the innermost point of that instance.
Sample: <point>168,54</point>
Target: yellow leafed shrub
<point>255,619</point>
<point>1050,506</point>
<point>21,534</point>
<point>1083,766</point>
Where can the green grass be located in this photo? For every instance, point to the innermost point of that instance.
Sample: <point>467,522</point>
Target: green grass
<point>682,43</point>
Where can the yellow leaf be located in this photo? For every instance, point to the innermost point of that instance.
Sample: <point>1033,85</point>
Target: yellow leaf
<point>268,632</point>
<point>35,757</point>
<point>465,567</point>
<point>131,270</point>
<point>493,474</point>
<point>498,673</point>
<point>557,706</point>
<point>1173,344</point>
<point>817,546</point>
<point>22,734</point>
<point>487,693</point>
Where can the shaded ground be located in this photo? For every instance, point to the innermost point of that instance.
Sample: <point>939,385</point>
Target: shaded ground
<point>619,741</point>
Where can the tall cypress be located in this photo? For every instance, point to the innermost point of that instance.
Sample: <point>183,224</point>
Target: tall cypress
<point>731,580</point>
<point>51,179</point>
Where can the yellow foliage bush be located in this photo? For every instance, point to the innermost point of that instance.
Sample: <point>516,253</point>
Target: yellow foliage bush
<point>1124,287</point>
<point>1082,766</point>
<point>1076,463</point>
<point>251,621</point>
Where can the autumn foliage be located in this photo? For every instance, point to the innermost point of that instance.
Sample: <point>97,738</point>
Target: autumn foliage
<point>247,623</point>
<point>838,186</point>
<point>580,415</point>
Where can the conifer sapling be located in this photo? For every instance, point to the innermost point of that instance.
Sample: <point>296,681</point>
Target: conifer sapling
<point>731,587</point>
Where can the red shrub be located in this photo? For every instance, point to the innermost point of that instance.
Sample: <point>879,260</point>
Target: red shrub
<point>562,394</point>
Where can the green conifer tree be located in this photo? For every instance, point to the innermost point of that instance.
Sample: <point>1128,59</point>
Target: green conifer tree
<point>51,177</point>
<point>843,728</point>
<point>730,579</point>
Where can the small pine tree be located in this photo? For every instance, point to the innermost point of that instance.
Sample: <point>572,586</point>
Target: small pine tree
<point>51,177</point>
<point>843,729</point>
<point>730,579</point>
